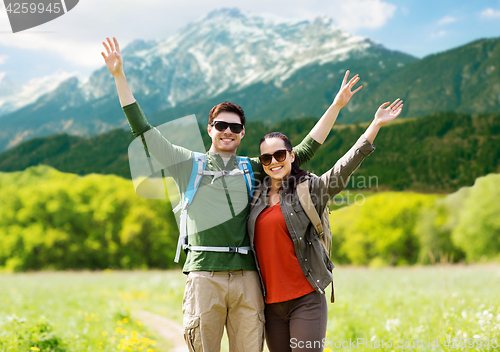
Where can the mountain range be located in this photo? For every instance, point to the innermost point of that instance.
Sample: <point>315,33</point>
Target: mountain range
<point>276,69</point>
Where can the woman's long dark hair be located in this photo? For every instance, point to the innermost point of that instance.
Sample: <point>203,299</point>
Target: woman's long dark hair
<point>296,171</point>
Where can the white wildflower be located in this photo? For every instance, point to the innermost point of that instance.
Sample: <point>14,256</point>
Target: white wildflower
<point>392,323</point>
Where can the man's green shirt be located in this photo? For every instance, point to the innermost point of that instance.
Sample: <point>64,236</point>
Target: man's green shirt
<point>218,214</point>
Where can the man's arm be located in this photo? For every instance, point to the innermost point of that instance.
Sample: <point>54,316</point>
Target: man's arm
<point>323,127</point>
<point>306,149</point>
<point>311,143</point>
<point>164,152</point>
<point>114,63</point>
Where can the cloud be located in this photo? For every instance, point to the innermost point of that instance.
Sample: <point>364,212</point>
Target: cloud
<point>76,37</point>
<point>31,91</point>
<point>3,59</point>
<point>356,14</point>
<point>490,13</point>
<point>439,34</point>
<point>446,20</point>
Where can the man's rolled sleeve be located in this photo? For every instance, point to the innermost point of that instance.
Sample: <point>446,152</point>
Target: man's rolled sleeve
<point>306,149</point>
<point>136,119</point>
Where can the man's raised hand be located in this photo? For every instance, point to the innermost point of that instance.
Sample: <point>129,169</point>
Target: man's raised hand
<point>113,58</point>
<point>345,93</point>
<point>114,62</point>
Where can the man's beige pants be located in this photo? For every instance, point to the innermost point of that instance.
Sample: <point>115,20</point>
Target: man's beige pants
<point>214,299</point>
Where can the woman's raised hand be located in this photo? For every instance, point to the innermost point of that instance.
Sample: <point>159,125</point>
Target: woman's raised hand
<point>345,93</point>
<point>382,116</point>
<point>113,58</point>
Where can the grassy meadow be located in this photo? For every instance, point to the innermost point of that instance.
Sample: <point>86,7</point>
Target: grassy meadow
<point>93,311</point>
<point>83,311</point>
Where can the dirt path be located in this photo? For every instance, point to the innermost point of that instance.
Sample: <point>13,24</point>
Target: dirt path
<point>167,329</point>
<point>171,331</point>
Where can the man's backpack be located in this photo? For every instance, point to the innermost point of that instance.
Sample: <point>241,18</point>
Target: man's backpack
<point>321,225</point>
<point>198,171</point>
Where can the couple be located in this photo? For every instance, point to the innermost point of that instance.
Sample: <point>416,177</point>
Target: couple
<point>277,251</point>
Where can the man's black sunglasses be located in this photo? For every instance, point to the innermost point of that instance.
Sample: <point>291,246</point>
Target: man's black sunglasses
<point>222,126</point>
<point>279,155</point>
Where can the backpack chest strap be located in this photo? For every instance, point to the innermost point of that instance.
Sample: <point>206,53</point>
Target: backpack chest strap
<point>220,173</point>
<point>240,250</point>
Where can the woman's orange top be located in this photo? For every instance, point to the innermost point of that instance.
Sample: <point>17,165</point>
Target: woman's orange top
<point>279,266</point>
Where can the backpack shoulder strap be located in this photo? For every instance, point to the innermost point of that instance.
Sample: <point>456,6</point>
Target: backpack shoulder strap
<point>307,203</point>
<point>199,164</point>
<point>244,164</point>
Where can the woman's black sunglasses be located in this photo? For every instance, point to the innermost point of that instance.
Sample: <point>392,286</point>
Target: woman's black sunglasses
<point>279,155</point>
<point>222,126</point>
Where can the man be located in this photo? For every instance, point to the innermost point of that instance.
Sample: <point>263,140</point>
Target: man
<point>222,288</point>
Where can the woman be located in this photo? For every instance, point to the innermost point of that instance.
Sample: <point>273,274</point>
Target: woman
<point>294,266</point>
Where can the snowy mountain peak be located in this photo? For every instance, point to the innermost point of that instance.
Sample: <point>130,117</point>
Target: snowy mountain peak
<point>224,12</point>
<point>226,49</point>
<point>230,50</point>
<point>260,59</point>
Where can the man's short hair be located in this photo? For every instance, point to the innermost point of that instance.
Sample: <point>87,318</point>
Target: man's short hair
<point>226,107</point>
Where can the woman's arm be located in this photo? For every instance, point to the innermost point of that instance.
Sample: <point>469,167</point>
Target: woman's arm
<point>323,127</point>
<point>383,116</point>
<point>337,178</point>
<point>114,62</point>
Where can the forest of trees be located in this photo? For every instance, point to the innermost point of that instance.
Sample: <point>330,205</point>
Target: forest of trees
<point>89,216</point>
<point>55,220</point>
<point>407,228</point>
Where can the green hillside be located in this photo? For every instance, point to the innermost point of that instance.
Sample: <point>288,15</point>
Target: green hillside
<point>103,154</point>
<point>437,153</point>
<point>464,79</point>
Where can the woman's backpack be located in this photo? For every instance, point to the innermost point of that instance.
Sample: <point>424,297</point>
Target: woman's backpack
<point>321,225</point>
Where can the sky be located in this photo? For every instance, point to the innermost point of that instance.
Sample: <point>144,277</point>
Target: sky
<point>71,44</point>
